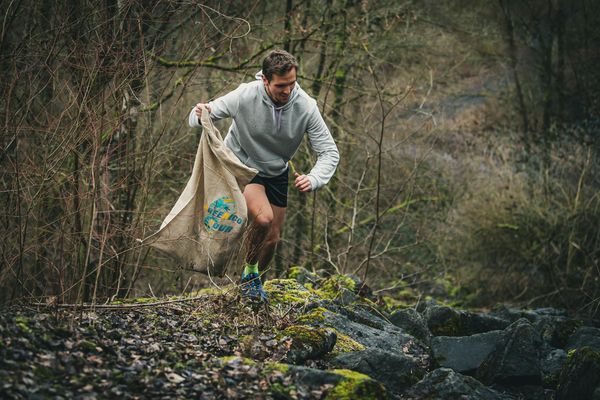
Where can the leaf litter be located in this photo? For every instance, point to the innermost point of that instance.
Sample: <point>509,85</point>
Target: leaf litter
<point>165,351</point>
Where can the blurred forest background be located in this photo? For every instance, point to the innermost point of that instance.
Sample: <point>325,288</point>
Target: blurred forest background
<point>468,133</point>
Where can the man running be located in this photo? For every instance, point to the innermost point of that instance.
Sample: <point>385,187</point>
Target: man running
<point>270,118</point>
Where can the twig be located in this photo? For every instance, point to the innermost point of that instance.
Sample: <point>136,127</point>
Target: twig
<point>120,306</point>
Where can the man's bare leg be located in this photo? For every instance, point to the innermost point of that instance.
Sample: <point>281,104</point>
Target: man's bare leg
<point>267,250</point>
<point>261,217</point>
<point>265,227</point>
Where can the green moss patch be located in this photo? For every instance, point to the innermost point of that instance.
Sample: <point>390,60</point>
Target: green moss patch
<point>332,286</point>
<point>345,344</point>
<point>287,291</point>
<point>356,386</point>
<point>314,317</point>
<point>23,324</point>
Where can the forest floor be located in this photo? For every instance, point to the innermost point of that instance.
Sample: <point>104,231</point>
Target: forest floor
<point>319,337</point>
<point>167,350</point>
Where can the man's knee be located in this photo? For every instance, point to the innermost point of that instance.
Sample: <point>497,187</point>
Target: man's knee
<point>263,221</point>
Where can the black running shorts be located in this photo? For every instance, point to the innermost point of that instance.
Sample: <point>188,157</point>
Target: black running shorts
<point>275,187</point>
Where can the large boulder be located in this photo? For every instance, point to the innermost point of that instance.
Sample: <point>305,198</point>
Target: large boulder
<point>580,378</point>
<point>396,371</point>
<point>448,321</point>
<point>412,322</point>
<point>516,361</point>
<point>446,384</point>
<point>586,336</point>
<point>465,353</point>
<point>368,329</point>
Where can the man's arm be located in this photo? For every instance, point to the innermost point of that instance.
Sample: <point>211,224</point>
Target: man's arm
<point>222,107</point>
<point>322,143</point>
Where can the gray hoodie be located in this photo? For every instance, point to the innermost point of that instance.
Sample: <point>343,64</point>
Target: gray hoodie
<point>265,137</point>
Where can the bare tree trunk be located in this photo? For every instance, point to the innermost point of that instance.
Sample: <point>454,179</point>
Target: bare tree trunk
<point>287,25</point>
<point>512,50</point>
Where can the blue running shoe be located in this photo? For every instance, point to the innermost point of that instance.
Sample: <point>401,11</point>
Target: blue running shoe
<point>252,288</point>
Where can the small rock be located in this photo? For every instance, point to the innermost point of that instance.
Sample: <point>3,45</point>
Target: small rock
<point>174,378</point>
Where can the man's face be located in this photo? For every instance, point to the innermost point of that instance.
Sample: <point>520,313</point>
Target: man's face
<point>280,87</point>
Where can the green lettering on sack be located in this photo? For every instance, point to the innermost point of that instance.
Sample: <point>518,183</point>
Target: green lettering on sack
<point>219,215</point>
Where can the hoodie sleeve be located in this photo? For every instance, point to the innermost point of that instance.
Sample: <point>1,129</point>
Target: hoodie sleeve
<point>222,107</point>
<point>322,143</point>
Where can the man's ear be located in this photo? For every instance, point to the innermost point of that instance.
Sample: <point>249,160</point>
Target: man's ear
<point>265,80</point>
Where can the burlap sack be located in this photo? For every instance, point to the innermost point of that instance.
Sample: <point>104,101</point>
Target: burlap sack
<point>204,230</point>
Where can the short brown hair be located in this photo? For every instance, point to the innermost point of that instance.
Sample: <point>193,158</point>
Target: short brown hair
<point>278,62</point>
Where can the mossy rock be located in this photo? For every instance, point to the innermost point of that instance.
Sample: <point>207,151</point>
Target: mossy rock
<point>345,344</point>
<point>287,291</point>
<point>356,386</point>
<point>580,375</point>
<point>347,385</point>
<point>316,316</point>
<point>308,342</point>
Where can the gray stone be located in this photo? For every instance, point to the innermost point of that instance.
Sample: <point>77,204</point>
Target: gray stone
<point>551,365</point>
<point>373,331</point>
<point>396,371</point>
<point>411,322</point>
<point>516,361</point>
<point>446,384</point>
<point>585,336</point>
<point>465,353</point>
<point>448,321</point>
<point>346,297</point>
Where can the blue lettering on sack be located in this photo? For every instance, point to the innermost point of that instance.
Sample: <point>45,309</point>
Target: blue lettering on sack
<point>220,215</point>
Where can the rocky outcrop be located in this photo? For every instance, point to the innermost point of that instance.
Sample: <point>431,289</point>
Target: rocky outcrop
<point>321,337</point>
<point>504,354</point>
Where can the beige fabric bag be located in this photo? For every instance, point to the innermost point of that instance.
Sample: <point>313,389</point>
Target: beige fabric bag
<point>204,230</point>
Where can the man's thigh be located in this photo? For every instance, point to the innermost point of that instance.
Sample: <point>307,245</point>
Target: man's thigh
<point>257,201</point>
